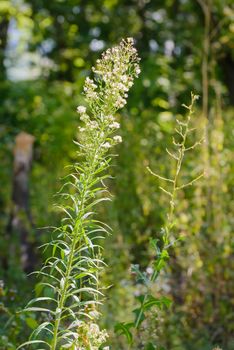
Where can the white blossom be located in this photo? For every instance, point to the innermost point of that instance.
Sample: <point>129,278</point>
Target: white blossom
<point>85,118</point>
<point>117,138</point>
<point>110,118</point>
<point>115,125</point>
<point>106,145</point>
<point>93,124</point>
<point>138,71</point>
<point>81,109</point>
<point>116,69</point>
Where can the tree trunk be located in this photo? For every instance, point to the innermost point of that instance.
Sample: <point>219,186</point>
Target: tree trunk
<point>4,23</point>
<point>20,222</point>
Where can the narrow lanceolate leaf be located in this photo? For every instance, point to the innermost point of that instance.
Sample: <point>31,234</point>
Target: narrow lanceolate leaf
<point>32,342</point>
<point>71,272</point>
<point>157,302</point>
<point>42,327</point>
<point>36,300</point>
<point>41,309</point>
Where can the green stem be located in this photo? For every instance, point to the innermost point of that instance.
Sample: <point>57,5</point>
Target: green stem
<point>70,260</point>
<point>62,299</point>
<point>137,322</point>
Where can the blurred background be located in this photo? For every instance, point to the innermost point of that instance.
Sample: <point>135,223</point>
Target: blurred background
<point>46,50</point>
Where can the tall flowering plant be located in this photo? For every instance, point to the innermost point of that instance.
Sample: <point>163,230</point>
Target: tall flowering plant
<point>71,273</point>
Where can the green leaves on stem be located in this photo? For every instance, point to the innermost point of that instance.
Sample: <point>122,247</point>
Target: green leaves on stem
<point>69,315</point>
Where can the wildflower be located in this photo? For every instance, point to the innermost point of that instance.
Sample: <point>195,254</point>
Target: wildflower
<point>106,145</point>
<point>81,129</point>
<point>117,139</point>
<point>84,118</point>
<point>93,125</point>
<point>105,94</point>
<point>110,118</point>
<point>138,71</point>
<point>81,109</point>
<point>115,125</point>
<point>114,71</point>
<point>130,40</point>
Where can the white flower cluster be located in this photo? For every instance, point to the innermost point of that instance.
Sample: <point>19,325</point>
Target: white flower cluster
<point>114,125</point>
<point>81,109</point>
<point>116,72</point>
<point>117,139</point>
<point>90,89</point>
<point>93,126</point>
<point>90,336</point>
<point>107,92</point>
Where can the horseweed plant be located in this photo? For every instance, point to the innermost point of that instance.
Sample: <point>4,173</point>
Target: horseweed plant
<point>72,271</point>
<point>161,246</point>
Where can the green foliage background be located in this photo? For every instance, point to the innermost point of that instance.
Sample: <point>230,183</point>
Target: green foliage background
<point>63,39</point>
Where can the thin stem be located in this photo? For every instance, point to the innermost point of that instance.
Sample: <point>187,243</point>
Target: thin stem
<point>180,159</point>
<point>62,299</point>
<point>71,254</point>
<point>63,295</point>
<point>170,216</point>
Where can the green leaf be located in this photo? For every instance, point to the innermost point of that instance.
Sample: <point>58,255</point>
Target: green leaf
<point>40,299</point>
<point>139,316</point>
<point>164,254</point>
<point>141,298</point>
<point>152,301</point>
<point>31,322</point>
<point>154,244</point>
<point>41,309</point>
<point>31,342</point>
<point>40,328</point>
<point>166,301</point>
<point>124,329</point>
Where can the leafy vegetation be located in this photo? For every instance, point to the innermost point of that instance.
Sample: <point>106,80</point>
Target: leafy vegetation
<point>47,49</point>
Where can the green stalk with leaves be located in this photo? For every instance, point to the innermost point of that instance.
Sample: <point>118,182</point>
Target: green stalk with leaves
<point>161,246</point>
<point>71,272</point>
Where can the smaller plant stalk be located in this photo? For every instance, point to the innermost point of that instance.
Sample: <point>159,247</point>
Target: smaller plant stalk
<point>184,130</point>
<point>147,301</point>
